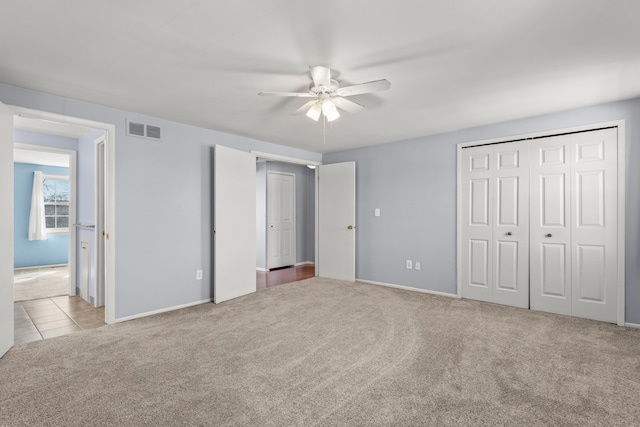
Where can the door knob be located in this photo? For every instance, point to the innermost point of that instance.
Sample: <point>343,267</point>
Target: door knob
<point>508,233</point>
<point>548,235</point>
<point>351,227</point>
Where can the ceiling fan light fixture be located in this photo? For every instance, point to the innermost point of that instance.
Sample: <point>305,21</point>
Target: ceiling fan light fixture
<point>314,111</point>
<point>329,110</point>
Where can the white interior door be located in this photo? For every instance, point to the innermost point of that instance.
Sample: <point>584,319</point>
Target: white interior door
<point>281,220</point>
<point>551,225</point>
<point>234,199</point>
<point>495,224</point>
<point>6,230</point>
<point>477,223</point>
<point>336,221</point>
<point>594,210</point>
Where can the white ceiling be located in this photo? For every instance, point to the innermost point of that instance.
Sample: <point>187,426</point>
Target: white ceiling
<point>452,64</point>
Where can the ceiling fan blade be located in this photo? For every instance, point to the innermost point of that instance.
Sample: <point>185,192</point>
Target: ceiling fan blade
<point>304,108</point>
<point>347,105</point>
<point>374,86</point>
<point>296,94</point>
<point>321,76</point>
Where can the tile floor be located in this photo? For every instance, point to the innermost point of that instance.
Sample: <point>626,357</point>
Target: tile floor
<point>52,317</point>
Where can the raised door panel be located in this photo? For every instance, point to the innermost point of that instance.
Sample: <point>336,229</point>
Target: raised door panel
<point>477,230</point>
<point>550,231</point>
<point>594,230</point>
<point>510,242</point>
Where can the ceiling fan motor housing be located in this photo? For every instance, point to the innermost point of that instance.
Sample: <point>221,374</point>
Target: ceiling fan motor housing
<point>316,90</point>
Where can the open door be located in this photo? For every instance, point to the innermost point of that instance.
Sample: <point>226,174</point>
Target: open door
<point>336,221</point>
<point>234,223</point>
<point>6,229</point>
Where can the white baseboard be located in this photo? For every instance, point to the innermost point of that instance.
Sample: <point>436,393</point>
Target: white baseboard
<point>632,325</point>
<point>295,265</point>
<point>41,266</point>
<point>408,288</point>
<point>162,310</point>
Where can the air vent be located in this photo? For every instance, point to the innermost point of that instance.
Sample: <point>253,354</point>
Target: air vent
<point>136,129</point>
<point>142,130</point>
<point>153,132</point>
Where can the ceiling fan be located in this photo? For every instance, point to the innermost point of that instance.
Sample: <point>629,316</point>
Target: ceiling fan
<point>328,95</point>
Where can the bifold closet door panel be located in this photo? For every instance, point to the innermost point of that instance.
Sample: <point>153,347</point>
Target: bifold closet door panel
<point>477,230</point>
<point>511,224</point>
<point>594,204</point>
<point>550,229</point>
<point>495,221</point>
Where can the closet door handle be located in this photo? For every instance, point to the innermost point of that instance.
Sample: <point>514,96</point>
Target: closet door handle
<point>548,235</point>
<point>508,233</point>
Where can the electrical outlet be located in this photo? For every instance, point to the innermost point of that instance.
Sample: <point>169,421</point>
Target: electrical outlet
<point>417,266</point>
<point>409,264</point>
<point>198,274</point>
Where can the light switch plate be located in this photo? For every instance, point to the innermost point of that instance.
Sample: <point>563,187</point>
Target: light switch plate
<point>376,212</point>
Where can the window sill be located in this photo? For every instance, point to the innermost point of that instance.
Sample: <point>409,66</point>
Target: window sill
<point>57,231</point>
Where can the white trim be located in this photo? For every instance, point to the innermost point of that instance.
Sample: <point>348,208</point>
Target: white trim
<point>278,158</point>
<point>621,221</point>
<point>40,266</point>
<point>620,124</point>
<point>303,263</point>
<point>261,269</point>
<point>316,178</point>
<point>161,310</point>
<point>408,288</point>
<point>631,325</point>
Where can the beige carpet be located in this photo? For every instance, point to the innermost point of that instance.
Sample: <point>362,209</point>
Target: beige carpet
<point>323,352</point>
<point>40,282</point>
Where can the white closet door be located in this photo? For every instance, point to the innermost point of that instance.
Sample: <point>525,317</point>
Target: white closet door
<point>495,224</point>
<point>511,224</point>
<point>550,225</point>
<point>477,229</point>
<point>574,225</point>
<point>594,225</point>
<point>281,219</point>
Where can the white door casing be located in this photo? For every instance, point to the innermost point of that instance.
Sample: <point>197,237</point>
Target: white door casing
<point>6,230</point>
<point>234,196</point>
<point>495,219</point>
<point>336,221</point>
<point>281,220</point>
<point>100,223</point>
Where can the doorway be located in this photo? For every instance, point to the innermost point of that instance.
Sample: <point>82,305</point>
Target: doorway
<point>285,218</point>
<point>77,210</point>
<point>44,211</point>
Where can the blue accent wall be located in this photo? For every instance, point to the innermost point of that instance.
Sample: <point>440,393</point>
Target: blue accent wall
<point>30,253</point>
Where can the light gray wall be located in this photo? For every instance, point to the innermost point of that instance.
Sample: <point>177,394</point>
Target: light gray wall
<point>163,203</point>
<point>413,182</point>
<point>305,210</point>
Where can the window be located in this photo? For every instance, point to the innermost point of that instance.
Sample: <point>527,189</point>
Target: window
<point>56,202</point>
